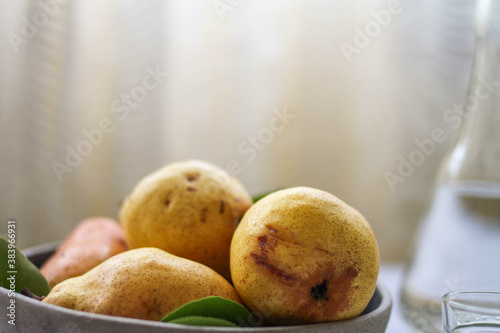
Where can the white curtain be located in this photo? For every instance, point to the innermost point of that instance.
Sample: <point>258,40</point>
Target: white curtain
<point>330,94</point>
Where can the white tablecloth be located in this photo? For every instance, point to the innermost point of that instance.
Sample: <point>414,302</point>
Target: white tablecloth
<point>390,277</point>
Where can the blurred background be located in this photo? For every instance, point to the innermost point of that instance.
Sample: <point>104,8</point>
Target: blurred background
<point>341,95</point>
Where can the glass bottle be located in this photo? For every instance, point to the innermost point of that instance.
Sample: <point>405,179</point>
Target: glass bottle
<point>458,245</point>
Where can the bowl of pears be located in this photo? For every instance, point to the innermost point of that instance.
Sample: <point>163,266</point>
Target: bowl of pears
<point>192,251</point>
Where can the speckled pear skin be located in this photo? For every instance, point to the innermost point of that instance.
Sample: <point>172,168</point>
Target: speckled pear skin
<point>301,256</point>
<point>145,283</point>
<point>187,208</point>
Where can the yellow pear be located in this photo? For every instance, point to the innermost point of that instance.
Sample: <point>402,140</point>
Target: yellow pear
<point>145,283</point>
<point>189,209</point>
<point>302,255</point>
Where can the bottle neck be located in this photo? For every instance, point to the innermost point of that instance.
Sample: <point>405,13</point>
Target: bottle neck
<point>475,159</point>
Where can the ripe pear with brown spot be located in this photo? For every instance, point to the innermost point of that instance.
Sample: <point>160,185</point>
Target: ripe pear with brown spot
<point>301,256</point>
<point>145,283</point>
<point>190,209</point>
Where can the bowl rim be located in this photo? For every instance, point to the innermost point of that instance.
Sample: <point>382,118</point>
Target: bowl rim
<point>385,305</point>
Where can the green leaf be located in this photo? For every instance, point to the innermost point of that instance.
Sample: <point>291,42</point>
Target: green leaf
<point>215,307</point>
<point>203,321</point>
<point>17,272</point>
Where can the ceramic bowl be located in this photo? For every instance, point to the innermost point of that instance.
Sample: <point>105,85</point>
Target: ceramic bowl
<point>34,316</point>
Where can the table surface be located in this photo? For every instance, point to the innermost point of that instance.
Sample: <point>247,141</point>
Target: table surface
<point>390,276</point>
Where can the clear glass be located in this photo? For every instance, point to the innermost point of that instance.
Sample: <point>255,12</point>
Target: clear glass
<point>458,246</point>
<point>467,312</point>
